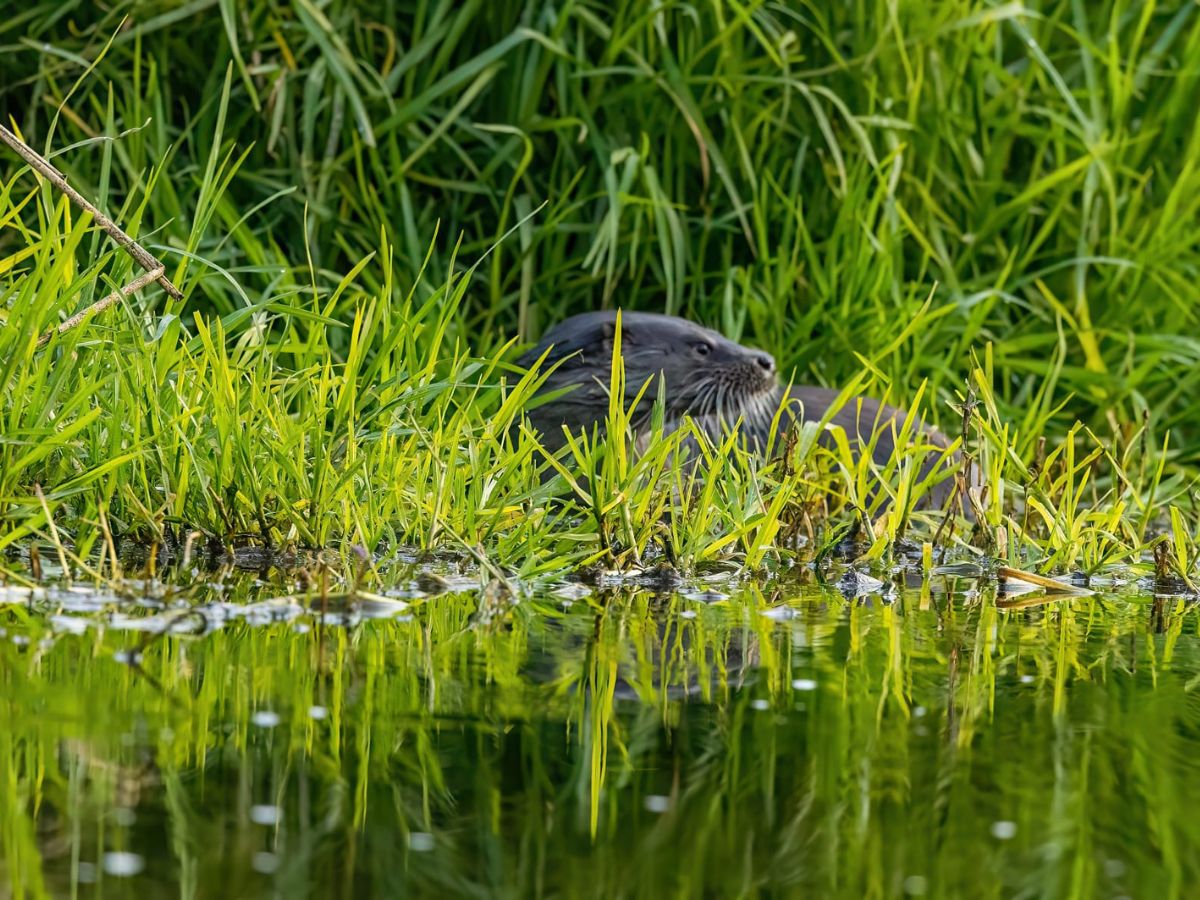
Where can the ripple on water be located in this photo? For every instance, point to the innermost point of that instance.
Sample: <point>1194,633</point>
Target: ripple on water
<point>265,814</point>
<point>420,841</point>
<point>1004,830</point>
<point>122,864</point>
<point>656,803</point>
<point>265,718</point>
<point>265,863</point>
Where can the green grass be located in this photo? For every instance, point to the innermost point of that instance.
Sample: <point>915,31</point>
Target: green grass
<point>366,204</point>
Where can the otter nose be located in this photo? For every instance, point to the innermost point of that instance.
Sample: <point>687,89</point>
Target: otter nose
<point>765,361</point>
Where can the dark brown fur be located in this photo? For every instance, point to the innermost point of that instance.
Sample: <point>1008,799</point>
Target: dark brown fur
<point>707,377</point>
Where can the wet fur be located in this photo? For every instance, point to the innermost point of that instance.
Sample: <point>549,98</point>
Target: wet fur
<point>726,383</point>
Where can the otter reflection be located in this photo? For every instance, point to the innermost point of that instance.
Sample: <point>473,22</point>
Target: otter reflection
<point>640,648</point>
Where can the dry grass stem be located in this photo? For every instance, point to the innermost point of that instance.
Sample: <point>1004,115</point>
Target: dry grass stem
<point>102,304</point>
<point>140,254</point>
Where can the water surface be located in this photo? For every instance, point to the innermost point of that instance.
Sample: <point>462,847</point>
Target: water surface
<point>244,738</point>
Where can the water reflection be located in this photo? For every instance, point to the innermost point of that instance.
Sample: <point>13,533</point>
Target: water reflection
<point>722,740</point>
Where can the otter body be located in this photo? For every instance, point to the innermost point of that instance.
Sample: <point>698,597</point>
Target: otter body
<point>705,376</point>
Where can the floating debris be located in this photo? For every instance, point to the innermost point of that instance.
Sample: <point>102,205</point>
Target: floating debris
<point>960,570</point>
<point>858,584</point>
<point>779,613</point>
<point>1042,581</point>
<point>70,624</point>
<point>705,596</point>
<point>571,590</point>
<point>374,606</point>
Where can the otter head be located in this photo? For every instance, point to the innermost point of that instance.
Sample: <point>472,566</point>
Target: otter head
<point>703,374</point>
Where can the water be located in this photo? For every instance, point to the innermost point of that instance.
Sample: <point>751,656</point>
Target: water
<point>725,739</point>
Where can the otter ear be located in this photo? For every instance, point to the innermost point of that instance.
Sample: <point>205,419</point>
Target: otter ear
<point>571,345</point>
<point>608,331</point>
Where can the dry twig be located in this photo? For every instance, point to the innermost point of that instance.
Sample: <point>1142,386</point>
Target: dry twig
<point>140,254</point>
<point>102,304</point>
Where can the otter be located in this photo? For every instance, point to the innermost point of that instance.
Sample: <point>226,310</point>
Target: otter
<point>707,377</point>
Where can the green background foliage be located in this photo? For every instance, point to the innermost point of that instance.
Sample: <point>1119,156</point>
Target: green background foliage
<point>799,174</point>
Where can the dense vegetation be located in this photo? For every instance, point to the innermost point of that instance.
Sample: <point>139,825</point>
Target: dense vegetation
<point>986,210</point>
<point>365,202</point>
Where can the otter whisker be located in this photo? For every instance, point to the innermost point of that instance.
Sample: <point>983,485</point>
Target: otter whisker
<point>711,389</point>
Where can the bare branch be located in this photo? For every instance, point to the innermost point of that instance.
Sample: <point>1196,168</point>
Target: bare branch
<point>41,165</point>
<point>102,304</point>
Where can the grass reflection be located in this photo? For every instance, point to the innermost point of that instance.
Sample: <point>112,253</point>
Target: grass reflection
<point>624,744</point>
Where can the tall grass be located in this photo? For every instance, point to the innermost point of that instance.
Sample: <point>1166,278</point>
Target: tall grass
<point>367,202</point>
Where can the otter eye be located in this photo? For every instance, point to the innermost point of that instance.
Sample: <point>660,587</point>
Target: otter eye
<point>702,349</point>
